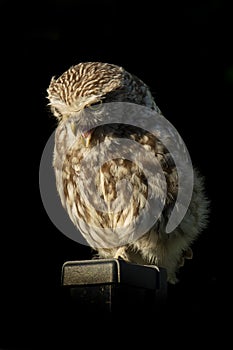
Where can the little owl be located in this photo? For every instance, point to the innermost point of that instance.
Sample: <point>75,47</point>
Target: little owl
<point>90,86</point>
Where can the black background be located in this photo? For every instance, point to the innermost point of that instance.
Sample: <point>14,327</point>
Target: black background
<point>182,51</point>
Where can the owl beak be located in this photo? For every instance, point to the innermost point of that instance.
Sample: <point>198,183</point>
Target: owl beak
<point>86,137</point>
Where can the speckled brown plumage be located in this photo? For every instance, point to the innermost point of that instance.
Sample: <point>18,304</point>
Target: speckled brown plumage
<point>85,85</point>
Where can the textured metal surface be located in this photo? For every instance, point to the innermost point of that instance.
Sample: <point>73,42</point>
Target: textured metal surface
<point>86,272</point>
<point>101,271</point>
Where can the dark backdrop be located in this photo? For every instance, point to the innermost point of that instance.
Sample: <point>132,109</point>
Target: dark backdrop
<point>182,51</point>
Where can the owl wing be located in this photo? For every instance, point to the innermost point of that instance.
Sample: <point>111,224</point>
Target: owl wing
<point>114,200</point>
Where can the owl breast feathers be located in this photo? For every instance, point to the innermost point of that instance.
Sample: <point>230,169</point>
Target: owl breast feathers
<point>107,197</point>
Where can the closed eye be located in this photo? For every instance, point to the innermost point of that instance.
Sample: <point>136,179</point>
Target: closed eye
<point>95,105</point>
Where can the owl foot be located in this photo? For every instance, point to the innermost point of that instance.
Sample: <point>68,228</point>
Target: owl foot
<point>171,278</point>
<point>121,254</point>
<point>187,254</point>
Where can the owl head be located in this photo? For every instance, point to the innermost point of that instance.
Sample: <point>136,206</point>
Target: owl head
<point>81,86</point>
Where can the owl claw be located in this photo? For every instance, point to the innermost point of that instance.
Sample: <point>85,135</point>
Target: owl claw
<point>121,254</point>
<point>172,279</point>
<point>181,262</point>
<point>188,254</point>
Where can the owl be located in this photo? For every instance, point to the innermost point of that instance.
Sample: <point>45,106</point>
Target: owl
<point>83,100</point>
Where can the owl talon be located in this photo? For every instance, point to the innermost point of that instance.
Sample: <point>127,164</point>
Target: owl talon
<point>121,254</point>
<point>188,254</point>
<point>181,261</point>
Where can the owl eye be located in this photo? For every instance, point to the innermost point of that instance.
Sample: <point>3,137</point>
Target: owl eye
<point>96,105</point>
